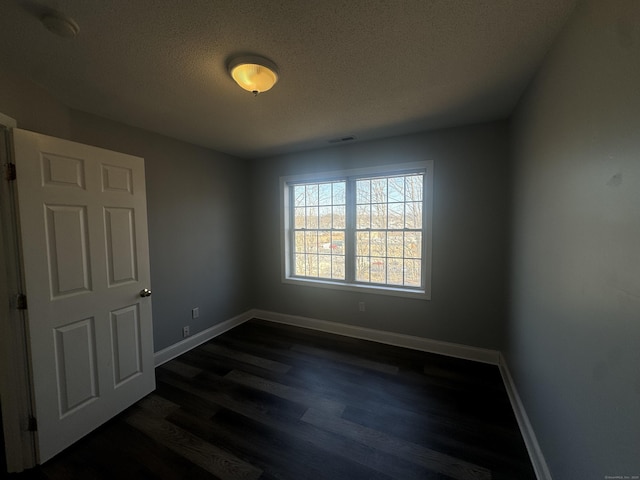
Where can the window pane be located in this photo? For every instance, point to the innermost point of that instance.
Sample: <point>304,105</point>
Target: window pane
<point>396,189</point>
<point>412,273</point>
<point>363,217</point>
<point>312,265</point>
<point>379,215</point>
<point>337,243</point>
<point>312,217</point>
<point>362,269</point>
<point>378,270</point>
<point>394,271</point>
<point>324,193</point>
<point>339,217</point>
<point>324,266</point>
<point>413,185</point>
<point>362,243</point>
<point>339,195</point>
<point>299,242</point>
<point>298,195</point>
<point>312,195</point>
<point>311,242</point>
<point>363,191</point>
<point>396,215</point>
<point>394,244</point>
<point>325,217</point>
<point>337,262</point>
<point>324,241</point>
<point>378,244</point>
<point>300,264</point>
<point>414,215</point>
<point>413,244</point>
<point>379,190</point>
<point>299,217</point>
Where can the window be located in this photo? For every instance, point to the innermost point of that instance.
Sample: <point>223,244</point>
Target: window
<point>319,223</point>
<point>360,229</point>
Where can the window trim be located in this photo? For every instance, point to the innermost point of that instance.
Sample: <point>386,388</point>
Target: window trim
<point>286,183</point>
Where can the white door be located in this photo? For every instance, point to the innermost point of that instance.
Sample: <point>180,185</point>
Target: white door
<point>83,224</point>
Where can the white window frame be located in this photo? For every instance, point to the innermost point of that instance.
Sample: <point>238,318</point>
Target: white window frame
<point>287,183</point>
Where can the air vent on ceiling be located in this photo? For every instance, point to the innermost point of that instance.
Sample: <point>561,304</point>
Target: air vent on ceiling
<point>342,139</point>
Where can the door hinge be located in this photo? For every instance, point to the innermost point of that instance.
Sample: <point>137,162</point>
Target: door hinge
<point>11,172</point>
<point>21,301</point>
<point>32,424</point>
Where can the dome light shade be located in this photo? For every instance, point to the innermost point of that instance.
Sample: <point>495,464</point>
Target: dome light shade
<point>254,74</point>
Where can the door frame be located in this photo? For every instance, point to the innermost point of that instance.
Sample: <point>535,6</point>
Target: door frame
<point>15,387</point>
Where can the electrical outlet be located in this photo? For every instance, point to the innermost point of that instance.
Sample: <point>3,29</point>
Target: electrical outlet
<point>185,331</point>
<point>195,312</point>
<point>361,306</point>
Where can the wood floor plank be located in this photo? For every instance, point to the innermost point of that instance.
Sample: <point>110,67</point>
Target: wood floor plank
<point>221,365</point>
<point>284,354</point>
<point>246,358</point>
<point>286,392</point>
<point>181,368</point>
<point>435,461</point>
<point>281,453</point>
<point>384,466</point>
<point>187,401</point>
<point>336,445</point>
<point>213,459</point>
<point>348,359</point>
<point>482,448</point>
<point>198,358</point>
<point>249,403</point>
<point>373,392</point>
<point>160,461</point>
<point>461,425</point>
<point>157,405</point>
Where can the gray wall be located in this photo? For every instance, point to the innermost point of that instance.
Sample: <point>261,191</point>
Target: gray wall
<point>198,233</point>
<point>574,332</point>
<point>469,237</point>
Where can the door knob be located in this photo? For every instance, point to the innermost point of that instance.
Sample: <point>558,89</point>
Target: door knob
<point>145,293</point>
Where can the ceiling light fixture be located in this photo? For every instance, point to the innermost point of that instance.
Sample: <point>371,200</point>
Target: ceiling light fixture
<point>254,74</point>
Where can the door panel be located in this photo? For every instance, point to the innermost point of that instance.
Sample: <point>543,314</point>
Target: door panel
<point>76,365</point>
<point>83,225</point>
<point>127,356</point>
<point>67,249</point>
<point>121,248</point>
<point>62,171</point>
<point>116,179</point>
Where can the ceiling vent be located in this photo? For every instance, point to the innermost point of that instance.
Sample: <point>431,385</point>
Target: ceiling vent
<point>342,139</point>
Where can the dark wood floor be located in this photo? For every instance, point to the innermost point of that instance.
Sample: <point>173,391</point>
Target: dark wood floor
<point>268,401</point>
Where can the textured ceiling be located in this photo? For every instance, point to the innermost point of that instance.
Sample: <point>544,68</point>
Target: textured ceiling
<point>369,68</point>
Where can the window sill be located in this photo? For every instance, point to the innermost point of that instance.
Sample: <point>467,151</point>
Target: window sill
<point>356,287</point>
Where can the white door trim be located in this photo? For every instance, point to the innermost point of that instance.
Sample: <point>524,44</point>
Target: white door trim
<point>15,392</point>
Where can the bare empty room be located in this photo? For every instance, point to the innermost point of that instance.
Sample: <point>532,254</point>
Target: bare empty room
<point>290,239</point>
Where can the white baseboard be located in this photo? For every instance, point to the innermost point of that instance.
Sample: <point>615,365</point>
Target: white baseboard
<point>530,440</point>
<point>199,338</point>
<point>483,355</point>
